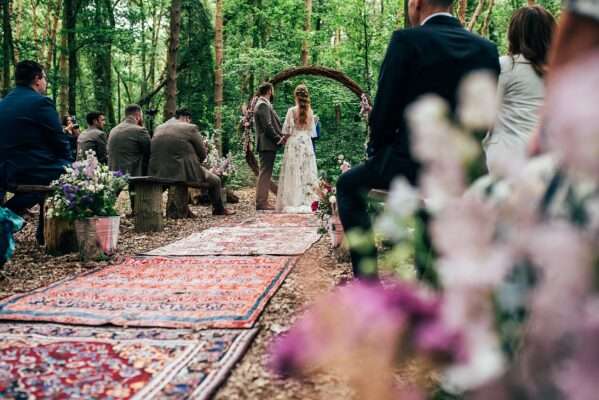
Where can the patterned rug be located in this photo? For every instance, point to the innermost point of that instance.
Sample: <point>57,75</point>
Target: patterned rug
<point>206,292</point>
<point>271,220</point>
<point>242,241</point>
<point>58,362</point>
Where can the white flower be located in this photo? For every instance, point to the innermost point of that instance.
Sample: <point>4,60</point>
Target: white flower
<point>478,102</point>
<point>341,157</point>
<point>403,198</point>
<point>332,199</point>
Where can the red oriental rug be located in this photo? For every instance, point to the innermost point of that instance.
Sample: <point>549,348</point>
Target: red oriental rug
<point>242,241</point>
<point>206,292</point>
<point>59,362</point>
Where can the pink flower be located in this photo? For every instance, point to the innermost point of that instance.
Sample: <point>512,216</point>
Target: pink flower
<point>314,206</point>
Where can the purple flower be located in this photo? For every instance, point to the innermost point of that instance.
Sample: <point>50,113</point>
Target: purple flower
<point>440,342</point>
<point>118,174</point>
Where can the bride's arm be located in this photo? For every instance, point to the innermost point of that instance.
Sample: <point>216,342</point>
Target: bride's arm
<point>288,124</point>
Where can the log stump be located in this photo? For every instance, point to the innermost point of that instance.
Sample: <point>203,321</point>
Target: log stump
<point>177,205</point>
<point>60,237</point>
<point>148,207</point>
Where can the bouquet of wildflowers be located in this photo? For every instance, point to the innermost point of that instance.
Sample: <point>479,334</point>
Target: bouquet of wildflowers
<point>326,205</point>
<point>86,189</point>
<point>223,167</point>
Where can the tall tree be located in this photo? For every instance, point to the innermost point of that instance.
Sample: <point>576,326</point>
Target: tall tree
<point>7,46</point>
<point>170,105</point>
<point>104,23</point>
<point>218,75</point>
<point>307,29</point>
<point>70,9</point>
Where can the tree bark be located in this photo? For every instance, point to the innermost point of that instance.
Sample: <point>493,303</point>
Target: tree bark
<point>462,6</point>
<point>305,56</point>
<point>7,46</point>
<point>52,35</point>
<point>63,96</point>
<point>60,237</point>
<point>170,105</point>
<point>177,206</point>
<point>148,207</point>
<point>485,28</point>
<point>70,21</point>
<point>218,75</point>
<point>476,15</point>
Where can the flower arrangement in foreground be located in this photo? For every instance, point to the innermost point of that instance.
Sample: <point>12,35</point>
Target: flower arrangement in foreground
<point>516,259</point>
<point>86,189</point>
<point>326,205</point>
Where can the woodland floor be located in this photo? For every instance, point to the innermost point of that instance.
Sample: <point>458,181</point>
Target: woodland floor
<point>317,272</point>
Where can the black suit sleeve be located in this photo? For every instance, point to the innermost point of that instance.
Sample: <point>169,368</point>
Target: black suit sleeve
<point>389,103</point>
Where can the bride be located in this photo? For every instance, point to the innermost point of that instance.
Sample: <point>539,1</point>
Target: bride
<point>299,176</point>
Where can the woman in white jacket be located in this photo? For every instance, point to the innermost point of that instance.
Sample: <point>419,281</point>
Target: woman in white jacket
<point>521,86</point>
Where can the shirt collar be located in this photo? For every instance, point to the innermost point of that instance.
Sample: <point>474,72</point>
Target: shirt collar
<point>264,99</point>
<point>446,14</point>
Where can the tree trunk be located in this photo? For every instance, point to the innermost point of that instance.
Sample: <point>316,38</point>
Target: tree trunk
<point>63,97</point>
<point>485,28</point>
<point>7,46</point>
<point>305,57</point>
<point>52,35</point>
<point>148,207</point>
<point>60,237</point>
<point>177,206</point>
<point>15,12</point>
<point>476,15</point>
<point>70,21</point>
<point>366,55</point>
<point>170,105</point>
<point>218,75</point>
<point>406,15</point>
<point>462,6</point>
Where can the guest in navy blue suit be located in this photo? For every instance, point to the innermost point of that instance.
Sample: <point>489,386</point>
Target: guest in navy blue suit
<point>33,147</point>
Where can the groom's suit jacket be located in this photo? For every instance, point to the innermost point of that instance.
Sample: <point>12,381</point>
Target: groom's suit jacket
<point>433,58</point>
<point>267,125</point>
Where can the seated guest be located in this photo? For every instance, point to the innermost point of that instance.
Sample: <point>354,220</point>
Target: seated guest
<point>33,148</point>
<point>178,151</point>
<point>129,146</point>
<point>431,57</point>
<point>93,138</point>
<point>521,85</point>
<point>71,129</point>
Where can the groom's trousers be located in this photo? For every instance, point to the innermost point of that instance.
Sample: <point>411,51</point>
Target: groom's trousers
<point>352,200</point>
<point>267,162</point>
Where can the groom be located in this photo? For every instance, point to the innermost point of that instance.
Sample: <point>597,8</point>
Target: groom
<point>268,139</point>
<point>431,57</point>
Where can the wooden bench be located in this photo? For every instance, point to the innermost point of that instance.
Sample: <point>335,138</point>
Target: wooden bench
<point>148,201</point>
<point>44,190</point>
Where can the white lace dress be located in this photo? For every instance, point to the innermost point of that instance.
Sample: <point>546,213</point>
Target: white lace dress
<point>299,174</point>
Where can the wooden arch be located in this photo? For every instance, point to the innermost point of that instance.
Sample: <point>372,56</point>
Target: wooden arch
<point>282,76</point>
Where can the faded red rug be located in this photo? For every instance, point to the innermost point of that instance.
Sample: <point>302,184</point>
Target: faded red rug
<point>204,292</point>
<point>242,241</point>
<point>47,361</point>
<point>272,220</point>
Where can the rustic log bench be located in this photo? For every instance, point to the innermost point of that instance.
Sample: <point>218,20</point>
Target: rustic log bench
<point>148,201</point>
<point>44,190</point>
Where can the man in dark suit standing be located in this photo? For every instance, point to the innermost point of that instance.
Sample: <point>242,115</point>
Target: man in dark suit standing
<point>431,57</point>
<point>33,148</point>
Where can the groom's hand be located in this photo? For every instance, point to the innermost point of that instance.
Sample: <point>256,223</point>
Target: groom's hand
<point>283,139</point>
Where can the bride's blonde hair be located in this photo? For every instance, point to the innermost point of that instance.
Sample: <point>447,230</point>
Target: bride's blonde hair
<point>302,97</point>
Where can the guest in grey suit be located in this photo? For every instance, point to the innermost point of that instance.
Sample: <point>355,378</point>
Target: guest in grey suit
<point>521,86</point>
<point>93,138</point>
<point>268,139</point>
<point>129,146</point>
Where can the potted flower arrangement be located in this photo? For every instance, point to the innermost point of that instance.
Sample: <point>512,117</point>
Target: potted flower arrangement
<point>86,194</point>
